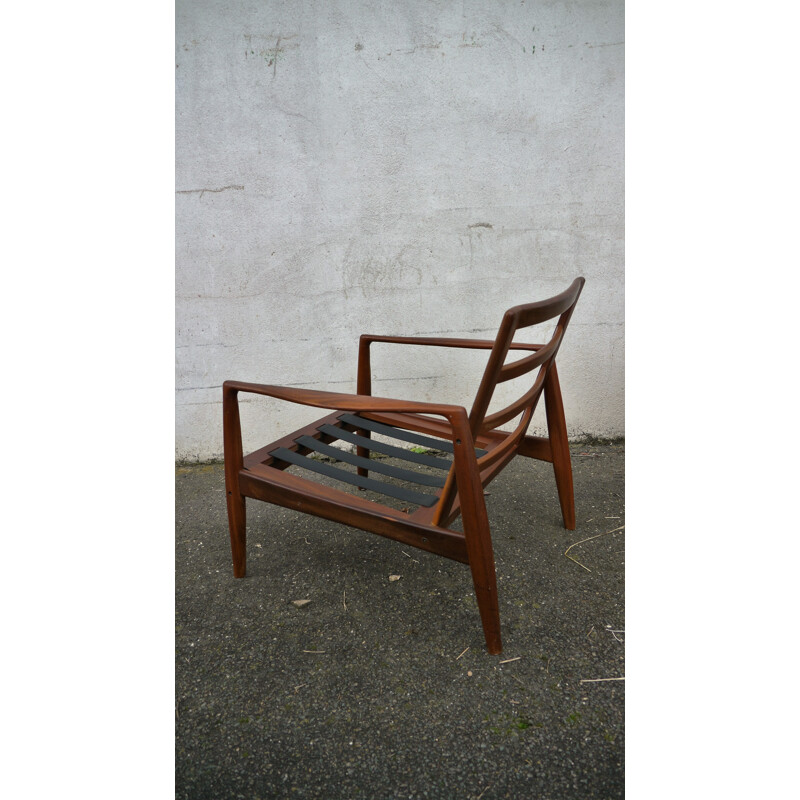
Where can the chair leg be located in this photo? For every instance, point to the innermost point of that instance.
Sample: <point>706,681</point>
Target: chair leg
<point>363,386</point>
<point>232,436</point>
<point>559,445</point>
<point>363,452</point>
<point>236,523</point>
<point>485,583</point>
<point>479,545</point>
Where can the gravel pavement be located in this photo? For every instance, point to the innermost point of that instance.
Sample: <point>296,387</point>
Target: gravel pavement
<point>380,688</point>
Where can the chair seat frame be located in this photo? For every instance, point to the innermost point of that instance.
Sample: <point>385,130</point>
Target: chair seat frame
<point>479,451</point>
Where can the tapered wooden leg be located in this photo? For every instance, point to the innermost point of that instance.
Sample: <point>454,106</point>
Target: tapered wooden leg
<point>483,578</point>
<point>363,386</point>
<point>236,523</point>
<point>363,452</point>
<point>478,538</point>
<point>559,445</point>
<point>232,440</point>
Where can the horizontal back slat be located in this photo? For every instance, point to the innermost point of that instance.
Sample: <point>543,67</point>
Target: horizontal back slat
<point>523,365</point>
<point>516,408</point>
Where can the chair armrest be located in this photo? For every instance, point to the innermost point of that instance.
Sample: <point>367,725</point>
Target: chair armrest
<point>346,402</point>
<point>439,341</point>
<point>364,385</point>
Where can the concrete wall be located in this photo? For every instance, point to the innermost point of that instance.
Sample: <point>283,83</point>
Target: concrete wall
<point>410,167</point>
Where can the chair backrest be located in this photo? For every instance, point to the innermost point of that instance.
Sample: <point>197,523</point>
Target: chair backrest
<point>497,371</point>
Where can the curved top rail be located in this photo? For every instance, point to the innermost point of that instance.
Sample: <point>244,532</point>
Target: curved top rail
<point>543,310</point>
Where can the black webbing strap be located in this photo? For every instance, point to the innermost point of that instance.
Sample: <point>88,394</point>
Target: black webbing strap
<point>406,495</point>
<point>373,465</point>
<point>403,435</point>
<point>387,449</point>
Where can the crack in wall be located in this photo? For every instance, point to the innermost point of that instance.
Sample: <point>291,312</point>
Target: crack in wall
<point>201,192</point>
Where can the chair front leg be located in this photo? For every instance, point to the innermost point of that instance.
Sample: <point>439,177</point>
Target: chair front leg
<point>559,445</point>
<point>232,438</point>
<point>477,534</point>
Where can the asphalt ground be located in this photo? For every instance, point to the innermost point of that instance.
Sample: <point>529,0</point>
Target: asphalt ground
<point>381,688</point>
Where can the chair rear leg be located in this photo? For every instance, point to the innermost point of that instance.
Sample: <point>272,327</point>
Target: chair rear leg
<point>363,452</point>
<point>559,445</point>
<point>363,386</point>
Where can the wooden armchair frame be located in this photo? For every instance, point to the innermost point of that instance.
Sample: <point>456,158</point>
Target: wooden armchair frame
<point>479,452</point>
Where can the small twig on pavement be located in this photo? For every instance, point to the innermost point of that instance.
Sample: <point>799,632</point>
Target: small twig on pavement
<point>457,657</point>
<point>566,552</point>
<point>408,556</point>
<point>599,680</point>
<point>578,562</point>
<point>344,599</point>
<point>614,634</point>
<point>509,660</point>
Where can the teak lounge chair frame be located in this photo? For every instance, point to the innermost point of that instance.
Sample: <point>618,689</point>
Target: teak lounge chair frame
<point>479,452</point>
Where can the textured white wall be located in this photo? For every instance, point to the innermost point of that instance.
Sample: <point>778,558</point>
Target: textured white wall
<point>402,168</point>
